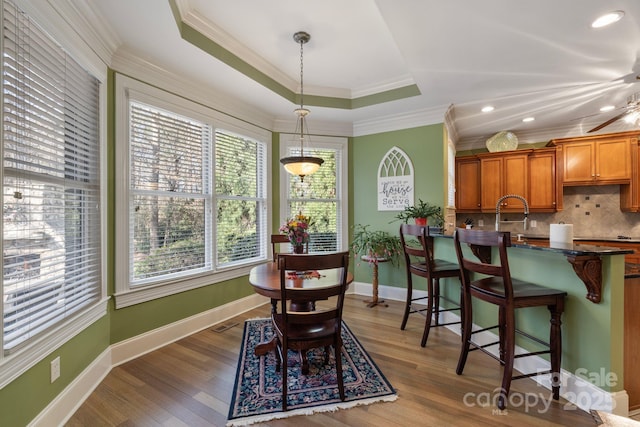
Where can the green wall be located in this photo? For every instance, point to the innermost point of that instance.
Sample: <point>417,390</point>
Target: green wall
<point>592,334</point>
<point>425,147</point>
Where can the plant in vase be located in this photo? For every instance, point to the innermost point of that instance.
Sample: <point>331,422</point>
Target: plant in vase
<point>297,230</point>
<point>420,212</point>
<point>375,246</point>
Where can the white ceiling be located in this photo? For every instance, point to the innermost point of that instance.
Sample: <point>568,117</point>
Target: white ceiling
<point>537,58</point>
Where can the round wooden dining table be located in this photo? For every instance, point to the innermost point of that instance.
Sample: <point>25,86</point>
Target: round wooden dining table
<point>265,279</point>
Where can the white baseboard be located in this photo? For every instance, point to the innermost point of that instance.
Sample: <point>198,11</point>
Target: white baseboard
<point>578,391</point>
<point>574,389</point>
<point>70,399</point>
<point>137,346</point>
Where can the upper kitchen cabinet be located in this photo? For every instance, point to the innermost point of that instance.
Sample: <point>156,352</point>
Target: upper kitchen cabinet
<point>543,194</point>
<point>482,179</point>
<point>594,160</point>
<point>501,174</point>
<point>467,184</point>
<point>630,193</point>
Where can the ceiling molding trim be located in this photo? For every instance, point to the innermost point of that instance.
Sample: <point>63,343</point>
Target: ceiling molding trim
<point>319,128</point>
<point>390,95</point>
<point>407,81</point>
<point>450,124</point>
<point>130,64</point>
<point>529,136</point>
<point>227,42</point>
<point>410,120</point>
<point>217,43</point>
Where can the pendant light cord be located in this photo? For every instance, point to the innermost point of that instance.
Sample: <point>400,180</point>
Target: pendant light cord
<point>301,117</point>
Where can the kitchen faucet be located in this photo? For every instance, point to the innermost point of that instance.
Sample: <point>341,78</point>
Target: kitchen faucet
<point>512,196</point>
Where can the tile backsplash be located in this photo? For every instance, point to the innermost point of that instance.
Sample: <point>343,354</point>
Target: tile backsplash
<point>593,211</point>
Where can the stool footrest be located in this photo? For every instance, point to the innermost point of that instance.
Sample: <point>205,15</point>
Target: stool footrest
<point>533,374</point>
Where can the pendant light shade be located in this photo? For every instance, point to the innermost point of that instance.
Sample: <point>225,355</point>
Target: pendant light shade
<point>301,165</point>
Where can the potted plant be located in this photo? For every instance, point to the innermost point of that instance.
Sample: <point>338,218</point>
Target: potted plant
<point>420,212</point>
<point>375,246</point>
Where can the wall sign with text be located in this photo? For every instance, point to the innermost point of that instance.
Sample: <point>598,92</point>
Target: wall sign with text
<point>395,181</point>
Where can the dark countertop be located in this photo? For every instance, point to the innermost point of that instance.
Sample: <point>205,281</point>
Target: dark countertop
<point>575,248</point>
<point>591,239</point>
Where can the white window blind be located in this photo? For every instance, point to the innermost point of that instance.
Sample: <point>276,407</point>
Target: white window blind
<point>51,187</point>
<point>170,194</point>
<point>319,197</point>
<point>240,192</point>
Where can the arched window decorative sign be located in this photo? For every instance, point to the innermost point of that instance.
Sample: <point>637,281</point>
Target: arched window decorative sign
<point>395,181</point>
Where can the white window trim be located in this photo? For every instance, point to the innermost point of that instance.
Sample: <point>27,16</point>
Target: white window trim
<point>332,142</point>
<point>127,88</point>
<point>14,365</point>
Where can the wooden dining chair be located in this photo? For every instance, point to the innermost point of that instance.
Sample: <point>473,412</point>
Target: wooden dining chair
<point>420,261</point>
<point>301,331</point>
<point>277,240</point>
<point>493,283</point>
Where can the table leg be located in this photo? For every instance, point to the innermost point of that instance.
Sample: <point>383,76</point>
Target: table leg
<point>375,301</point>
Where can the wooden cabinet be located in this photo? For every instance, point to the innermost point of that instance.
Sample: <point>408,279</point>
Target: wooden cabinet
<point>483,178</point>
<point>500,174</point>
<point>467,184</point>
<point>597,160</point>
<point>543,193</point>
<point>630,193</point>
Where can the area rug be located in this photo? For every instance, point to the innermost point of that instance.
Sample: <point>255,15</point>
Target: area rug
<point>257,394</point>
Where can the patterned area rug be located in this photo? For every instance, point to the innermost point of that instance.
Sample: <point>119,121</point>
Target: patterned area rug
<point>257,394</point>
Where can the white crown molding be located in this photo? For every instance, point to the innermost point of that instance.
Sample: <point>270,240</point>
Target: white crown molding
<point>213,32</point>
<point>381,87</point>
<point>408,120</point>
<point>224,39</point>
<point>529,136</point>
<point>92,27</point>
<point>317,127</point>
<point>130,64</point>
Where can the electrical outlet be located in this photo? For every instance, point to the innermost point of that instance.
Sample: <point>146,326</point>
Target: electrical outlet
<point>533,223</point>
<point>55,369</point>
<point>481,223</point>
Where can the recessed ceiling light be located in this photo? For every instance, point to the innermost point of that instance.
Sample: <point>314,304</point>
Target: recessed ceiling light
<point>528,119</point>
<point>607,108</point>
<point>487,109</point>
<point>607,19</point>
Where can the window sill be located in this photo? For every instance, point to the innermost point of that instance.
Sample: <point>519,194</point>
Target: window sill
<point>149,293</point>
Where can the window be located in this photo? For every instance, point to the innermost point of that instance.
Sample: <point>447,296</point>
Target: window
<point>169,187</point>
<point>52,253</point>
<point>192,206</point>
<point>322,196</point>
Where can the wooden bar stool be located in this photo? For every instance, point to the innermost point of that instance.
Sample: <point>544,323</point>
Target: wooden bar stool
<point>496,286</point>
<point>419,260</point>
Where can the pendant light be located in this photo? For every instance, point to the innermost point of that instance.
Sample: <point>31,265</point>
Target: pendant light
<point>301,165</point>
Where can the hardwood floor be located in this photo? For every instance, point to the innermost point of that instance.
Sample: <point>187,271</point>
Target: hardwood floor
<point>189,382</point>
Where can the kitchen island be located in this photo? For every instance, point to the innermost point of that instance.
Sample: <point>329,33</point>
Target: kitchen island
<point>592,329</point>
